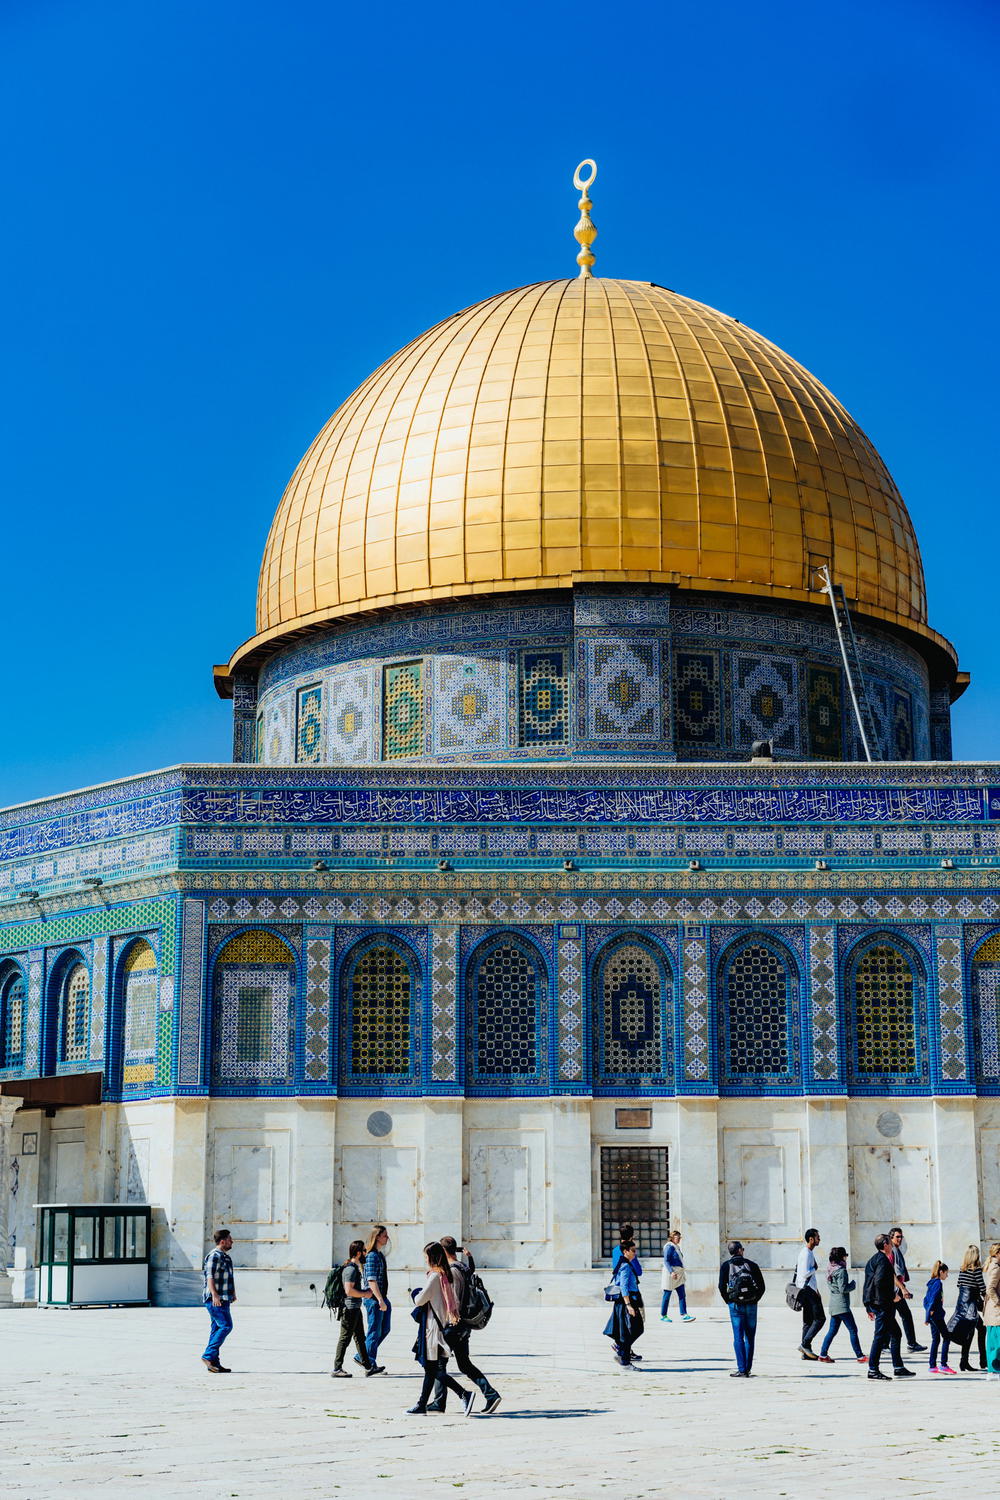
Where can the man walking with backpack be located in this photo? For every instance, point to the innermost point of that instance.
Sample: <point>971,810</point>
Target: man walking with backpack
<point>467,1289</point>
<point>741,1287</point>
<point>343,1295</point>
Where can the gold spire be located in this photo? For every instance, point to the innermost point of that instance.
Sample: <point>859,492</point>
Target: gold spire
<point>585,232</point>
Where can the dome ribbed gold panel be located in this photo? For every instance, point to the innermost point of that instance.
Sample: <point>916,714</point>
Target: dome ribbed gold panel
<point>578,431</point>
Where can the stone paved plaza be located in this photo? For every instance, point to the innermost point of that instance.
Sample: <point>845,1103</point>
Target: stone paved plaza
<point>93,1399</point>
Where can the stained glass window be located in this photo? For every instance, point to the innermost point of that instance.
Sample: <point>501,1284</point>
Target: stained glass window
<point>823,712</point>
<point>696,697</point>
<point>12,1019</point>
<point>309,726</point>
<point>76,996</point>
<point>544,698</point>
<point>141,1009</point>
<point>755,991</point>
<point>403,711</point>
<point>254,1010</point>
<point>631,1001</point>
<point>986,995</point>
<point>507,988</point>
<point>380,991</point>
<point>884,1012</point>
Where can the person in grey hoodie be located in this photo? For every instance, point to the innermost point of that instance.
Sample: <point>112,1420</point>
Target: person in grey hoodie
<point>841,1287</point>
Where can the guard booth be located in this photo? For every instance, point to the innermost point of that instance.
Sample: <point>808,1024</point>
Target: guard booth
<point>93,1254</point>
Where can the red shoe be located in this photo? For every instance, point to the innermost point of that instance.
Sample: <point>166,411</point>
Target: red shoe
<point>862,1359</point>
<point>946,1370</point>
<point>825,1359</point>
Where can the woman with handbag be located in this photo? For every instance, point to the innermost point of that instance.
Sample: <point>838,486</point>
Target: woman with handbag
<point>965,1322</point>
<point>625,1324</point>
<point>673,1278</point>
<point>435,1308</point>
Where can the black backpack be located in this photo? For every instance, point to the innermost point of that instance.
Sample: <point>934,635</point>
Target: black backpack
<point>741,1287</point>
<point>477,1306</point>
<point>334,1296</point>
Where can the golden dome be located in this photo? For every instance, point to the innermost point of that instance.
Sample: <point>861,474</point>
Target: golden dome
<point>586,431</point>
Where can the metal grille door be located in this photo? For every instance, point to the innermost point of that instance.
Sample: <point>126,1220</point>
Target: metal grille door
<point>635,1190</point>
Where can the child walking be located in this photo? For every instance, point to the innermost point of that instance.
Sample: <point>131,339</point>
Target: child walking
<point>935,1320</point>
<point>841,1287</point>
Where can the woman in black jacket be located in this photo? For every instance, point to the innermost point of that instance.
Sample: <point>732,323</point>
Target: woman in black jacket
<point>966,1320</point>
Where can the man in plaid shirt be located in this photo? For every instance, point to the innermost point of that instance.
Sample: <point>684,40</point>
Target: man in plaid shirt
<point>220,1294</point>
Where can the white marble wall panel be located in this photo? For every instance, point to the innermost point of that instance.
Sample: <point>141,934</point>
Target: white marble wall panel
<point>251,1185</point>
<point>507,1197</point>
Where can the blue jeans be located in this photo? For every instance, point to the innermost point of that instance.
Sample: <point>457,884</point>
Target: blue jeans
<point>939,1336</point>
<point>222,1326</point>
<point>743,1317</point>
<point>682,1301</point>
<point>847,1321</point>
<point>378,1326</point>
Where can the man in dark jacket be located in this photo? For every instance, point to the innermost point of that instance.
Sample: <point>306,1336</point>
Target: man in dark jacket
<point>741,1287</point>
<point>879,1297</point>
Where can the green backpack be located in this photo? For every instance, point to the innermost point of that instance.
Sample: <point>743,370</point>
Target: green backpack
<point>334,1296</point>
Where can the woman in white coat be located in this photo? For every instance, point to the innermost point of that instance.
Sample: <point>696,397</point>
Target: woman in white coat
<point>435,1307</point>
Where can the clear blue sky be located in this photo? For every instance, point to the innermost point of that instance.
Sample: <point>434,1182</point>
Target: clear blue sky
<point>221,217</point>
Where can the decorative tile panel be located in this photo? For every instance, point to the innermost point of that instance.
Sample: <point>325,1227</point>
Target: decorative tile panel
<point>316,1032</point>
<point>190,1062</point>
<point>624,690</point>
<point>403,710</point>
<point>444,1004</point>
<point>951,1003</point>
<point>277,731</point>
<point>350,724</point>
<point>697,1042</point>
<point>98,997</point>
<point>570,1027</point>
<point>543,700</point>
<point>766,702</point>
<point>309,725</point>
<point>470,704</point>
<point>822,1008</point>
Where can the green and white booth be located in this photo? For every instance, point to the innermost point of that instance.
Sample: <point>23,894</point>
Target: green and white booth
<point>93,1254</point>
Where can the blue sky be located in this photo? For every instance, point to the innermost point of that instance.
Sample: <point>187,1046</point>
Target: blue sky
<point>222,216</point>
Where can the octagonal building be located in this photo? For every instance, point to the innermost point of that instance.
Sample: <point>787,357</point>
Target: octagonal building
<point>551,883</point>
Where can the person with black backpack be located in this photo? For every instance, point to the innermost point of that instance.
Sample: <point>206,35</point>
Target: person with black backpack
<point>344,1295</point>
<point>741,1287</point>
<point>475,1310</point>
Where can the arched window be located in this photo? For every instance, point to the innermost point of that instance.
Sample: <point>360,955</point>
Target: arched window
<point>13,1017</point>
<point>986,1002</point>
<point>75,1014</point>
<point>885,1024</point>
<point>507,986</point>
<point>756,1014</point>
<point>254,998</point>
<point>379,990</point>
<point>141,1009</point>
<point>628,1007</point>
